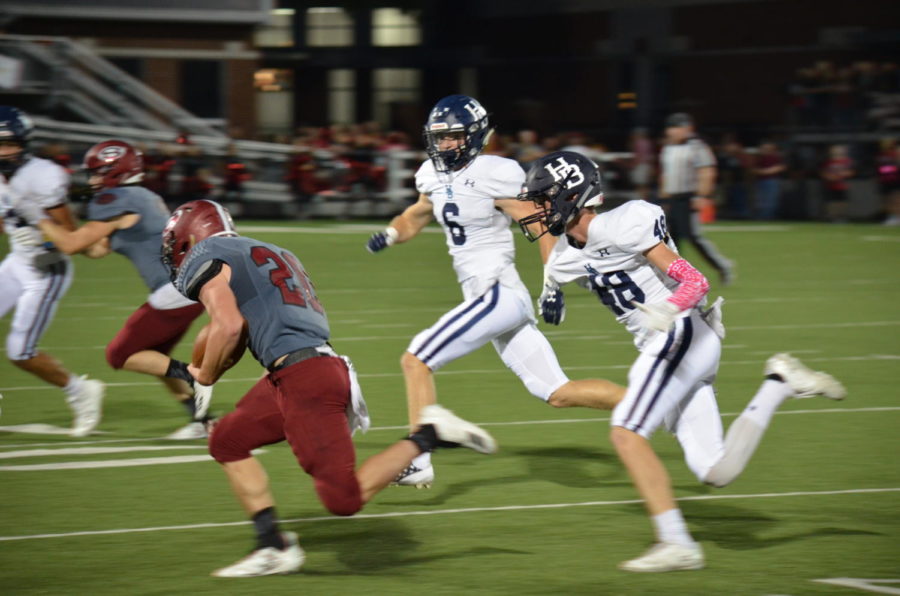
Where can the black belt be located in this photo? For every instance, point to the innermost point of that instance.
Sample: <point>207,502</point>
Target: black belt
<point>297,356</point>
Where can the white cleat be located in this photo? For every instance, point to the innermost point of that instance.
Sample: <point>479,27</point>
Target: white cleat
<point>268,561</point>
<point>450,428</point>
<point>804,381</point>
<point>415,476</point>
<point>664,556</point>
<point>87,406</point>
<point>189,432</point>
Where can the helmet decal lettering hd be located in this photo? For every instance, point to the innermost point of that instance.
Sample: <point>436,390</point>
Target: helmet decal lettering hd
<point>462,120</point>
<point>560,184</point>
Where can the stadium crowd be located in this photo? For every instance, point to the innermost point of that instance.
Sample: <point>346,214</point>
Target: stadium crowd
<point>757,172</point>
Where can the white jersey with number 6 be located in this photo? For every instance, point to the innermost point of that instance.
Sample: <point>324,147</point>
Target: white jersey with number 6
<point>497,306</point>
<point>478,234</point>
<point>612,264</point>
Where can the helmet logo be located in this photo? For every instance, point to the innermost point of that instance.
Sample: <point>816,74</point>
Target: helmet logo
<point>476,110</point>
<point>566,171</point>
<point>111,153</point>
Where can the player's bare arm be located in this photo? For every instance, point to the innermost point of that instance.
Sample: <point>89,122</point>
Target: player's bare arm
<point>98,249</point>
<point>403,227</point>
<point>75,241</point>
<point>62,215</point>
<point>225,328</point>
<point>415,217</point>
<point>517,210</point>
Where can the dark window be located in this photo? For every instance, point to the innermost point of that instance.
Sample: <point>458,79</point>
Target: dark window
<point>132,66</point>
<point>201,87</point>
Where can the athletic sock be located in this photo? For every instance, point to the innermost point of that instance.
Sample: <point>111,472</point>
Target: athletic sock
<point>73,386</point>
<point>771,394</point>
<point>671,528</point>
<point>425,438</point>
<point>190,404</point>
<point>747,430</point>
<point>178,370</point>
<point>265,522</point>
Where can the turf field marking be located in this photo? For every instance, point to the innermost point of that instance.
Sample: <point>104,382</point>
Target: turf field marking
<point>490,371</point>
<point>397,514</point>
<point>112,463</point>
<point>508,423</point>
<point>92,450</point>
<point>866,585</point>
<point>881,239</point>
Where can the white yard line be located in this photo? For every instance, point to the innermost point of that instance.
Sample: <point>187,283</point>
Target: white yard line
<point>490,424</point>
<point>400,514</point>
<point>494,371</point>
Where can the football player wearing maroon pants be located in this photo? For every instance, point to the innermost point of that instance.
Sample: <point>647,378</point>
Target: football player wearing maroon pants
<point>126,218</point>
<point>310,398</point>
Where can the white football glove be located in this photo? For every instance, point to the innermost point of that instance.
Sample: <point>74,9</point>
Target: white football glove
<point>27,236</point>
<point>659,316</point>
<point>713,317</point>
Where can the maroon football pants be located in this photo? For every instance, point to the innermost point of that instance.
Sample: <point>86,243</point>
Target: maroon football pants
<point>149,328</point>
<point>305,404</point>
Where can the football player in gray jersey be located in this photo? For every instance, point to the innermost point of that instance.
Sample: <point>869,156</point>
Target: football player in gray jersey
<point>310,396</point>
<point>126,218</point>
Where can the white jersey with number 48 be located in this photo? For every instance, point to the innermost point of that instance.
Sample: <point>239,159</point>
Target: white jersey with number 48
<point>613,266</point>
<point>478,234</point>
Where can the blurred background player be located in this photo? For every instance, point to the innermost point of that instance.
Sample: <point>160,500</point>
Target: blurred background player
<point>310,398</point>
<point>627,258</point>
<point>127,218</point>
<point>35,276</point>
<point>472,196</point>
<point>687,179</point>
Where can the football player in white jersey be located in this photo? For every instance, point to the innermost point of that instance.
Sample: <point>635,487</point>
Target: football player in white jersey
<point>472,196</point>
<point>34,276</point>
<point>626,257</point>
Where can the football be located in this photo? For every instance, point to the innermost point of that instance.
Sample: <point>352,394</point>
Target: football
<point>200,347</point>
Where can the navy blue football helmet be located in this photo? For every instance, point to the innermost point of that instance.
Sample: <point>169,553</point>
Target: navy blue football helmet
<point>561,184</point>
<point>459,114</point>
<point>15,126</point>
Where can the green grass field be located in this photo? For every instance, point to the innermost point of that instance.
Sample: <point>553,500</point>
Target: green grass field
<point>552,513</point>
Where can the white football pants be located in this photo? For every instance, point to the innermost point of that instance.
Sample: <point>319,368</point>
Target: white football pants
<point>671,383</point>
<point>35,295</point>
<point>503,315</point>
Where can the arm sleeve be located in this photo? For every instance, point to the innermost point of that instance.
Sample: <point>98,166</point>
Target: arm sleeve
<point>692,287</point>
<point>197,276</point>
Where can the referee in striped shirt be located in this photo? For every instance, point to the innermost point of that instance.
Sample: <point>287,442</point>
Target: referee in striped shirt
<point>688,176</point>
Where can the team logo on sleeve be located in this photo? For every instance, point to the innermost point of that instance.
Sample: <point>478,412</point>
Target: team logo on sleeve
<point>560,169</point>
